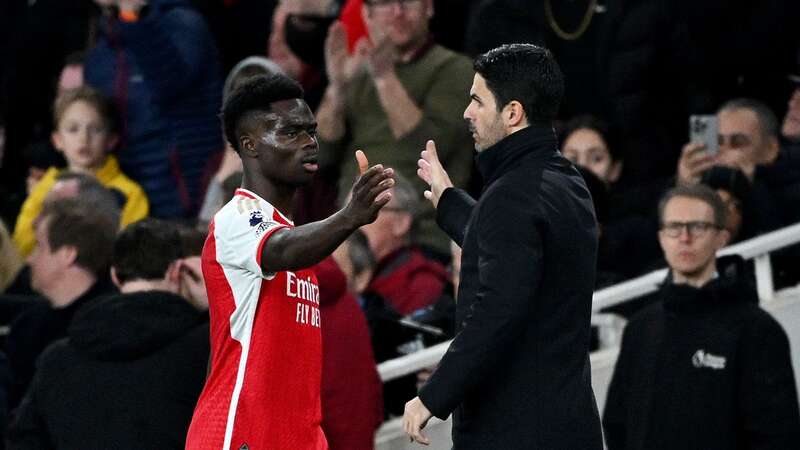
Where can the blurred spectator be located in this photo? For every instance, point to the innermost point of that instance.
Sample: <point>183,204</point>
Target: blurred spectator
<point>84,134</point>
<point>403,276</point>
<point>749,142</point>
<point>396,91</point>
<point>704,367</point>
<point>734,190</point>
<point>10,261</point>
<point>159,64</point>
<point>193,287</point>
<point>69,267</point>
<point>134,362</point>
<point>215,196</point>
<point>352,398</point>
<point>619,59</point>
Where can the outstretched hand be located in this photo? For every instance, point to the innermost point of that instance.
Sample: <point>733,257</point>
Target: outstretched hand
<point>415,417</point>
<point>370,191</point>
<point>431,171</point>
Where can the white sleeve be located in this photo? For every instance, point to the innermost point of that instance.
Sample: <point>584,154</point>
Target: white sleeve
<point>243,234</point>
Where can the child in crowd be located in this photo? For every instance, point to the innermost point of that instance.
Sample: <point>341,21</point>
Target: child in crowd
<point>84,134</point>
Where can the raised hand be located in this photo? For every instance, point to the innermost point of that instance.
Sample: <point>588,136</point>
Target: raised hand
<point>693,162</point>
<point>431,171</point>
<point>370,191</point>
<point>339,65</point>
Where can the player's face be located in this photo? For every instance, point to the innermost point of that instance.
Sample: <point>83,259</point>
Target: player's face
<point>485,121</point>
<point>287,143</point>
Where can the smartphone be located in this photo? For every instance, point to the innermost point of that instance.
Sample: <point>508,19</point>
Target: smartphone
<point>703,129</point>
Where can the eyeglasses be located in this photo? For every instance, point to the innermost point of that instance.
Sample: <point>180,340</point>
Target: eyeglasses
<point>386,6</point>
<point>695,228</point>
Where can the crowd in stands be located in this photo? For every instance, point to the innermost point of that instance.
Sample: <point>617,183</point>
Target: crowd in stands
<point>113,163</point>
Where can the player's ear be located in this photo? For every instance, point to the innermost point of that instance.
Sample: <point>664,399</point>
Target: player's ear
<point>247,146</point>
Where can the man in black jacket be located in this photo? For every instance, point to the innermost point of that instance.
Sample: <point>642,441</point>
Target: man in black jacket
<point>517,374</point>
<point>704,367</point>
<point>130,372</point>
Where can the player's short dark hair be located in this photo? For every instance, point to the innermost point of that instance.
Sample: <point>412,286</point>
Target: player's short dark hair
<point>145,249</point>
<point>74,222</point>
<point>255,95</point>
<point>526,73</point>
<point>698,192</point>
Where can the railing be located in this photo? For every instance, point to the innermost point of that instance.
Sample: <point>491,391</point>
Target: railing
<point>757,248</point>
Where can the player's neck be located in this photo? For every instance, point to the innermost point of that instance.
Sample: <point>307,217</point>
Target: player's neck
<point>279,196</point>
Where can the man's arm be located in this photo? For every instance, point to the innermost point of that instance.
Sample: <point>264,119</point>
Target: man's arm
<point>510,261</point>
<point>306,245</point>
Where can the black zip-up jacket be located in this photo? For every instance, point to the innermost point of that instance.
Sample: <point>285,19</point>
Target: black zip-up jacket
<point>517,374</point>
<point>127,377</point>
<point>704,369</point>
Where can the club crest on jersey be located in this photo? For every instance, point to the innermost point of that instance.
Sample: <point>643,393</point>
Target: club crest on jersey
<point>256,217</point>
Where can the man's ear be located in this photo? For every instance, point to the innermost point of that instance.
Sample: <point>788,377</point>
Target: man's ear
<point>724,237</point>
<point>247,145</point>
<point>67,254</point>
<point>514,115</point>
<point>771,150</point>
<point>173,273</point>
<point>58,142</point>
<point>401,226</point>
<point>115,278</point>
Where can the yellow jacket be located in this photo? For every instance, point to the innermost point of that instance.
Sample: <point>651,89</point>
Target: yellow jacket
<point>136,204</point>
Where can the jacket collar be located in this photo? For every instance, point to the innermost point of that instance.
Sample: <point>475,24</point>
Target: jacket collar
<point>538,140</point>
<point>729,288</point>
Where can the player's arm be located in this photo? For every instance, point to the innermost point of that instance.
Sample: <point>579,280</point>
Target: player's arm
<point>306,245</point>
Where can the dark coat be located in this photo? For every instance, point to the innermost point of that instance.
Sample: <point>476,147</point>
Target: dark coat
<point>128,377</point>
<point>38,326</point>
<point>517,374</point>
<point>163,73</point>
<point>703,369</point>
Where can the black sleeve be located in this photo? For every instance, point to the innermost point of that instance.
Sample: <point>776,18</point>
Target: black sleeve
<point>769,410</point>
<point>617,398</point>
<point>453,212</point>
<point>28,431</point>
<point>510,261</point>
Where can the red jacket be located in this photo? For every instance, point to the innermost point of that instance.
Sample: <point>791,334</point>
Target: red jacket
<point>352,392</point>
<point>408,280</point>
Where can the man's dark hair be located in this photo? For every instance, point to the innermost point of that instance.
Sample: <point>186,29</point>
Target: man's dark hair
<point>76,223</point>
<point>698,192</point>
<point>589,122</point>
<point>144,250</point>
<point>256,95</point>
<point>766,118</point>
<point>359,253</point>
<point>526,73</point>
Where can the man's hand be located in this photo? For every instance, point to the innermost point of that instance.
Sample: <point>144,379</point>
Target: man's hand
<point>415,417</point>
<point>693,162</point>
<point>339,65</point>
<point>432,172</point>
<point>791,123</point>
<point>370,191</point>
<point>381,58</point>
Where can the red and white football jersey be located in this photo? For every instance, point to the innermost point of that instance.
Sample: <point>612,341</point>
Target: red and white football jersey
<point>263,391</point>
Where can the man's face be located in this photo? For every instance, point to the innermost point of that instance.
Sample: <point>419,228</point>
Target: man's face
<point>586,148</point>
<point>46,265</point>
<point>485,121</point>
<point>403,22</point>
<point>286,143</point>
<point>690,252</point>
<point>741,140</point>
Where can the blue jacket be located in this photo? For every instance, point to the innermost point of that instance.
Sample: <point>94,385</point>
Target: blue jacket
<point>163,73</point>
